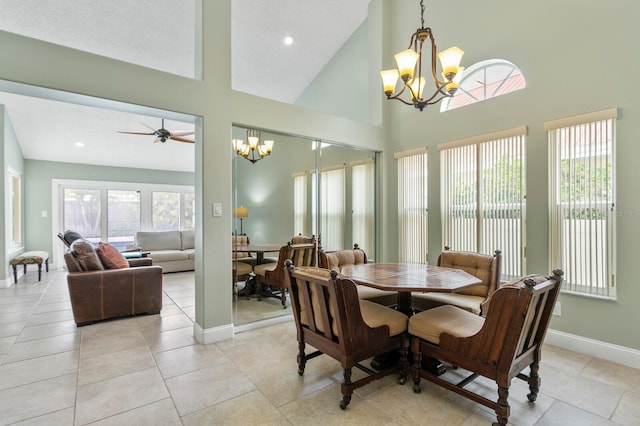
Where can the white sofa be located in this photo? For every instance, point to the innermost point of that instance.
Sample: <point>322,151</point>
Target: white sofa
<point>173,250</point>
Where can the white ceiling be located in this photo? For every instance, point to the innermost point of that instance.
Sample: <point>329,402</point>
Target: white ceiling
<point>147,32</point>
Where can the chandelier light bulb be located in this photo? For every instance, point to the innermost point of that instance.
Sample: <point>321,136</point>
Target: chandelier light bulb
<point>410,70</point>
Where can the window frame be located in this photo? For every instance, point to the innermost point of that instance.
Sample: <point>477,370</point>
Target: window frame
<point>480,149</point>
<point>413,209</point>
<point>145,189</point>
<point>449,103</point>
<point>607,289</point>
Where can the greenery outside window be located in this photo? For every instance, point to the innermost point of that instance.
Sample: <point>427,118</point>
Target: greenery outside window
<point>582,200</point>
<point>483,196</point>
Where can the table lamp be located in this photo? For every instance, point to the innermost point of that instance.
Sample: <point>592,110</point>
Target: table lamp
<point>241,213</point>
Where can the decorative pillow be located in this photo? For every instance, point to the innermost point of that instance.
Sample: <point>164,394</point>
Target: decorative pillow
<point>110,256</point>
<point>86,255</point>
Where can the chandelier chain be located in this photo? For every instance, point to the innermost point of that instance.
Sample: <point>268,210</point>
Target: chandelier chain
<point>422,12</point>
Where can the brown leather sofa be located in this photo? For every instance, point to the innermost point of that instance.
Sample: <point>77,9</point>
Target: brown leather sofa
<point>101,294</point>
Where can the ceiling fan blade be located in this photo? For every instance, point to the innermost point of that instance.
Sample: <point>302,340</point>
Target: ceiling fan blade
<point>179,139</point>
<point>157,140</point>
<point>138,133</point>
<point>149,127</point>
<point>183,133</point>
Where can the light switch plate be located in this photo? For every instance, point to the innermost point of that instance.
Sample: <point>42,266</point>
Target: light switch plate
<point>217,209</point>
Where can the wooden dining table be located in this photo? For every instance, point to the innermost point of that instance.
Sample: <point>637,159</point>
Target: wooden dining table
<point>406,278</point>
<point>258,249</point>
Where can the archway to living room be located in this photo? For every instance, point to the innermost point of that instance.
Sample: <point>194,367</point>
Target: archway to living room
<point>71,150</point>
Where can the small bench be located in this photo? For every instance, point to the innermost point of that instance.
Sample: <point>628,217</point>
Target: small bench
<point>30,258</point>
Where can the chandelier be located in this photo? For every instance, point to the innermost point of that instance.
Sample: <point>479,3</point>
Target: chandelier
<point>409,69</point>
<point>253,150</point>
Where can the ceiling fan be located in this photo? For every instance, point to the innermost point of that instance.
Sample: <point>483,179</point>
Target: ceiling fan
<point>163,134</point>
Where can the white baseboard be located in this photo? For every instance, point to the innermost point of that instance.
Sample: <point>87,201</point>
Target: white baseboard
<point>212,335</point>
<point>6,283</point>
<point>608,351</point>
<point>226,332</point>
<point>263,323</point>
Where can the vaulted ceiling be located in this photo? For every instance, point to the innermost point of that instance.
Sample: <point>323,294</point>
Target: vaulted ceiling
<point>147,32</point>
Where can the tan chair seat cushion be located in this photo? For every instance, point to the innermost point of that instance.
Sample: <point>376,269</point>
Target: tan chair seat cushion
<point>241,268</point>
<point>464,301</point>
<point>248,260</point>
<point>365,292</point>
<point>428,325</point>
<point>261,269</point>
<point>375,315</point>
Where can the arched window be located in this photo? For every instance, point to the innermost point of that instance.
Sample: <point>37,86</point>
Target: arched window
<point>485,80</point>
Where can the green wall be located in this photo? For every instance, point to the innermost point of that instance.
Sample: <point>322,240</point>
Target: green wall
<point>342,87</point>
<point>573,55</point>
<point>40,231</point>
<point>569,52</point>
<point>11,159</point>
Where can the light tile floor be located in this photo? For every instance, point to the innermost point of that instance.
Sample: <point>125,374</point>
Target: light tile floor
<point>150,371</point>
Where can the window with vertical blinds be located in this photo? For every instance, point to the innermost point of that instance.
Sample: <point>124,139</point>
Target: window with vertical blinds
<point>363,205</point>
<point>299,203</point>
<point>412,206</point>
<point>332,208</point>
<point>483,196</point>
<point>582,201</point>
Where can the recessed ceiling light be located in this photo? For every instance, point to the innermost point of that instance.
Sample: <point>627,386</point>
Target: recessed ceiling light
<point>79,144</point>
<point>288,40</point>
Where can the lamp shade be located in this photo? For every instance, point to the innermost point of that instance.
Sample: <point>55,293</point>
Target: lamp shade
<point>241,212</point>
<point>389,80</point>
<point>417,86</point>
<point>406,61</point>
<point>450,61</point>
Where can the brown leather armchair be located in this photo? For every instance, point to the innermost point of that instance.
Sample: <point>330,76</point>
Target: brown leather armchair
<point>111,293</point>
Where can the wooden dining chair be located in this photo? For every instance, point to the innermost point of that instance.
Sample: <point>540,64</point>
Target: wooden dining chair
<point>343,260</point>
<point>330,317</point>
<point>486,267</point>
<point>270,276</point>
<point>244,257</point>
<point>499,346</point>
<point>296,239</point>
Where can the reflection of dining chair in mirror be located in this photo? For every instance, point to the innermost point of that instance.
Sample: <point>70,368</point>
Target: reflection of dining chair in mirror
<point>270,276</point>
<point>242,256</point>
<point>241,213</point>
<point>296,239</point>
<point>241,272</point>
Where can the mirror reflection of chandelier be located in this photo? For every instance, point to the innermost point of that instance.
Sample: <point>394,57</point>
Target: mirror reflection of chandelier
<point>409,70</point>
<point>253,150</point>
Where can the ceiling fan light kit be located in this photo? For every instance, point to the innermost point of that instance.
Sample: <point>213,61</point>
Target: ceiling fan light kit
<point>162,134</point>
